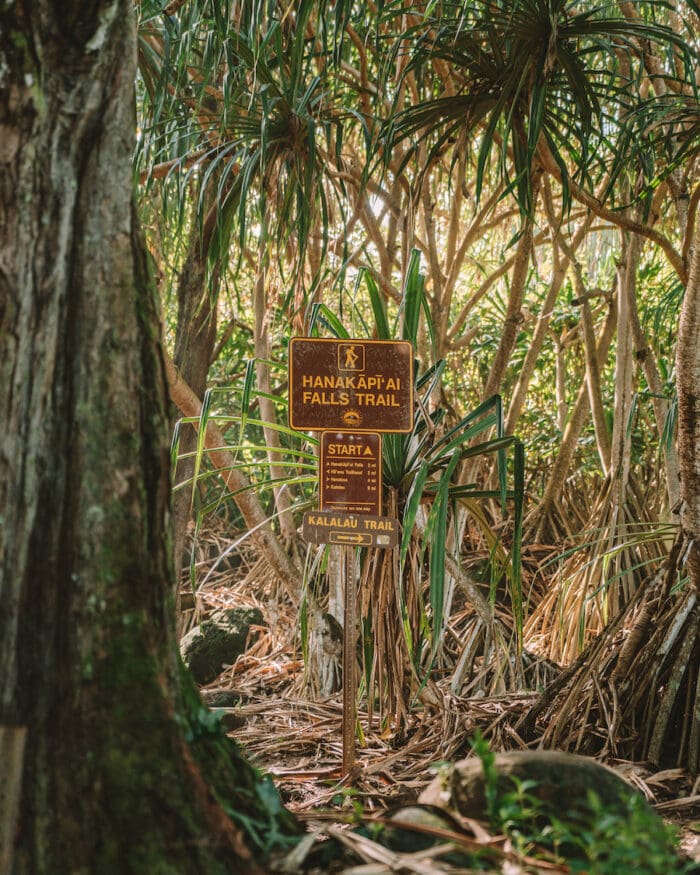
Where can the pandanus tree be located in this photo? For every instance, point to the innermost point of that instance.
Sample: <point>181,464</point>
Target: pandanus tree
<point>645,661</point>
<point>236,110</point>
<point>635,685</point>
<point>404,612</point>
<point>545,94</point>
<point>109,761</point>
<point>523,102</point>
<point>541,88</point>
<point>536,85</point>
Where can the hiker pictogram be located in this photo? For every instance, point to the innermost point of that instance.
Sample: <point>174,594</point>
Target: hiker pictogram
<point>351,357</point>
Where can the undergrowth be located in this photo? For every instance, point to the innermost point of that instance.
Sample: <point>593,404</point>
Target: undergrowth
<point>593,839</point>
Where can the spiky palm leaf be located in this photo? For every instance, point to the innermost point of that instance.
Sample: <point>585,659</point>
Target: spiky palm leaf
<point>534,74</point>
<point>238,95</point>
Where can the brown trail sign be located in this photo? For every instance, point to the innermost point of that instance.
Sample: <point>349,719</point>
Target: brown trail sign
<point>354,530</point>
<point>350,390</point>
<point>350,385</point>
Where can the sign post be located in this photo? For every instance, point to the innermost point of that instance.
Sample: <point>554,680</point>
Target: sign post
<point>349,661</point>
<point>351,390</point>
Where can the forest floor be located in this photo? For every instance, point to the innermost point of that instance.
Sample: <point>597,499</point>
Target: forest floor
<point>298,740</point>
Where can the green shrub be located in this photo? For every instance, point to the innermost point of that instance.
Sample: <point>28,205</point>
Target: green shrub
<point>631,840</point>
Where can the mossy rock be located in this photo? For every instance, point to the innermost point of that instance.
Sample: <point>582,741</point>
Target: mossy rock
<point>227,703</point>
<point>218,641</point>
<point>221,698</point>
<point>560,782</point>
<point>411,826</point>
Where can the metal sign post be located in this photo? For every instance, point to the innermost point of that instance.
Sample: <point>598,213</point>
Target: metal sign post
<point>349,660</point>
<point>351,390</point>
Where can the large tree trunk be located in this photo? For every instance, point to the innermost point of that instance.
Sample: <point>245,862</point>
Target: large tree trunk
<point>688,387</point>
<point>89,668</point>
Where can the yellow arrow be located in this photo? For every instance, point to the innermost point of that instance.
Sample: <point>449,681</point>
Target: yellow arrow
<point>350,538</point>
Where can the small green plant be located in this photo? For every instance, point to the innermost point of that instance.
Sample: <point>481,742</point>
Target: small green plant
<point>488,763</point>
<point>611,843</point>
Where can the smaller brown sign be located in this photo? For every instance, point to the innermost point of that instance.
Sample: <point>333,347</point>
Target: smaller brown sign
<point>350,470</point>
<point>330,527</point>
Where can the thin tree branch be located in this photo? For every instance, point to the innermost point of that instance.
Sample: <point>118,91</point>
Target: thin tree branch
<point>247,501</point>
<point>618,218</point>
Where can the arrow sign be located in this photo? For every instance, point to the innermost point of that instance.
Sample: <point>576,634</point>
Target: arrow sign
<point>361,539</point>
<point>331,527</point>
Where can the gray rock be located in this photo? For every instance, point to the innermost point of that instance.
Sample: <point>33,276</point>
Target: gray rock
<point>218,641</point>
<point>221,698</point>
<point>412,828</point>
<point>560,782</point>
<point>232,720</point>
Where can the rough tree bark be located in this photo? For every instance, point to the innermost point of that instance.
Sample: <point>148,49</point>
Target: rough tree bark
<point>194,345</point>
<point>688,387</point>
<point>119,773</point>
